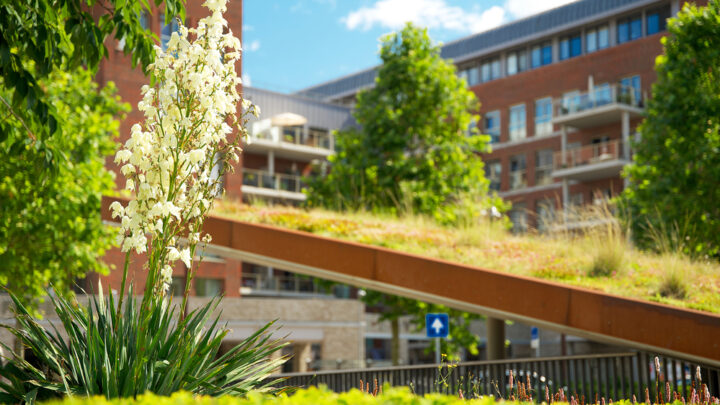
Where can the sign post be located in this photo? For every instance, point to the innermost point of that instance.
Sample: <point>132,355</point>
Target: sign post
<point>535,340</point>
<point>437,326</point>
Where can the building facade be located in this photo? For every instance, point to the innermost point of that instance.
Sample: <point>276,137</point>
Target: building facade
<point>561,94</point>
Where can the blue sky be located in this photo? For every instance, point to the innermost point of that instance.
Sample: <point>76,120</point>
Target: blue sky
<point>293,44</point>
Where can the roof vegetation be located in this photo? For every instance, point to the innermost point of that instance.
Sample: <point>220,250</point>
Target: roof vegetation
<point>599,258</point>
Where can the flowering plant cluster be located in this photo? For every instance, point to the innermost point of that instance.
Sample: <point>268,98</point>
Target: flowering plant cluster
<point>173,161</point>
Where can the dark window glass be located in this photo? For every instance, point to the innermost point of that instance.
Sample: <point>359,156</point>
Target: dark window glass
<point>564,49</point>
<point>653,24</point>
<point>656,20</point>
<point>536,57</point>
<point>635,28</point>
<point>547,55</point>
<point>591,41</point>
<point>603,37</point>
<point>575,46</point>
<point>623,32</point>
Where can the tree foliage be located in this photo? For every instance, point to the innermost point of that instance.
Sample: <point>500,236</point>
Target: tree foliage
<point>412,151</point>
<point>672,199</point>
<point>50,228</point>
<point>39,37</point>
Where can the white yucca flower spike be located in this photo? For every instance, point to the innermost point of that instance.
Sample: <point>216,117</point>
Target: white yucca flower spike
<point>169,158</point>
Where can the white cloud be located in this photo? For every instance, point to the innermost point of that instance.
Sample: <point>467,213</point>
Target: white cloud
<point>252,46</point>
<point>394,14</point>
<point>246,80</point>
<point>524,8</point>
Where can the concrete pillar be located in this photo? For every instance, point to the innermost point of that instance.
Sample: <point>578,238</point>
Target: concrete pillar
<point>302,356</point>
<point>495,338</point>
<point>565,198</point>
<point>626,135</point>
<point>271,162</point>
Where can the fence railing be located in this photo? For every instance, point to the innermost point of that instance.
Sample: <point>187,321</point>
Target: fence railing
<point>280,284</point>
<point>598,97</point>
<point>590,154</point>
<point>276,181</point>
<point>314,139</point>
<point>609,376</point>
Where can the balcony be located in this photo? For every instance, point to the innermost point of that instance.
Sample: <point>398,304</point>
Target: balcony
<point>280,186</point>
<point>591,162</point>
<point>289,286</point>
<point>290,142</point>
<point>603,105</point>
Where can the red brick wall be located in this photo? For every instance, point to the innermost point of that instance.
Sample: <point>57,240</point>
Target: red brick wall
<point>608,65</point>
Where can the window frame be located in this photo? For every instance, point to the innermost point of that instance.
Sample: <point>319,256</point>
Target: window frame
<point>517,129</point>
<point>496,116</point>
<point>545,118</point>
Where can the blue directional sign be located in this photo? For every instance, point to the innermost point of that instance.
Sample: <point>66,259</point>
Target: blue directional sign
<point>437,325</point>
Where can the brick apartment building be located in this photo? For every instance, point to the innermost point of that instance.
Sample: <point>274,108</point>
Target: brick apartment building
<point>561,93</point>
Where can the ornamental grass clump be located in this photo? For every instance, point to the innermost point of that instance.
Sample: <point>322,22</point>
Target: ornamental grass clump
<point>172,162</point>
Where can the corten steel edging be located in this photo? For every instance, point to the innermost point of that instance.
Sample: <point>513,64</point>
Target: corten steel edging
<point>678,332</point>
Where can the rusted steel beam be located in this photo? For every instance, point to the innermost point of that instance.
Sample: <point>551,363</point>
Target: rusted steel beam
<point>603,317</point>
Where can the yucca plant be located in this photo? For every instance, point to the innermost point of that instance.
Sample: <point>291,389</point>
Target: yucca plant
<point>171,165</point>
<point>103,354</point>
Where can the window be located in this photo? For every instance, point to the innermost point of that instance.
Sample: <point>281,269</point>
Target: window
<point>167,30</point>
<point>518,217</point>
<point>318,138</point>
<point>492,125</point>
<point>656,20</point>
<point>541,55</point>
<point>629,29</point>
<point>493,172</point>
<point>516,62</point>
<point>570,47</point>
<point>490,70</point>
<point>145,20</point>
<point>208,287</point>
<point>630,90</point>
<point>177,288</point>
<point>543,167</point>
<point>545,214</point>
<point>518,178</point>
<point>471,75</point>
<point>543,116</point>
<point>602,94</point>
<point>571,102</point>
<point>517,122</point>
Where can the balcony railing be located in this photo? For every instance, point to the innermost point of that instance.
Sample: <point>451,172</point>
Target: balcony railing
<point>312,139</point>
<point>276,181</point>
<point>598,97</point>
<point>590,154</point>
<point>278,285</point>
<point>610,376</point>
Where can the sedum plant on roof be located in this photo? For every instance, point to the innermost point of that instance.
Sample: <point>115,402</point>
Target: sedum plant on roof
<point>117,350</point>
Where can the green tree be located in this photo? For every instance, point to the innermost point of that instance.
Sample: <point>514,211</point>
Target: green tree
<point>50,227</point>
<point>412,151</point>
<point>39,37</point>
<point>672,198</point>
<point>394,307</point>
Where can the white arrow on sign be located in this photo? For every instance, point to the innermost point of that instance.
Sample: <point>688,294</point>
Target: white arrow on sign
<point>437,325</point>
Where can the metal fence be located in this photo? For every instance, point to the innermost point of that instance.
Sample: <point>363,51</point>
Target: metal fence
<point>610,376</point>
